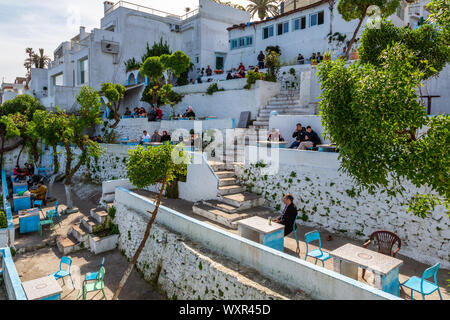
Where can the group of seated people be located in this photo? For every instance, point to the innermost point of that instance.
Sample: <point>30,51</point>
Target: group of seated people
<point>189,113</point>
<point>28,174</point>
<point>22,174</point>
<point>239,73</point>
<point>156,137</point>
<point>154,114</point>
<point>317,57</point>
<point>304,139</point>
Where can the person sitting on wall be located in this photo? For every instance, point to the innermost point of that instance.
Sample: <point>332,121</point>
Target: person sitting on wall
<point>159,113</point>
<point>208,71</point>
<point>142,113</point>
<point>152,114</point>
<point>165,137</point>
<point>299,135</point>
<point>209,80</point>
<point>261,58</point>
<point>229,76</point>
<point>202,72</point>
<point>19,174</point>
<point>39,193</point>
<point>135,113</point>
<point>240,74</point>
<point>275,136</point>
<point>189,113</point>
<point>256,69</point>
<point>145,136</point>
<point>127,112</point>
<point>311,139</point>
<point>33,180</point>
<point>241,67</point>
<point>300,59</point>
<point>289,214</point>
<point>313,57</point>
<point>30,169</point>
<point>192,81</point>
<point>156,137</point>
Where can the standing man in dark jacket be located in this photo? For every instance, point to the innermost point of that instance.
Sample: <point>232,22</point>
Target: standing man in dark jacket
<point>299,135</point>
<point>261,58</point>
<point>289,214</point>
<point>311,139</point>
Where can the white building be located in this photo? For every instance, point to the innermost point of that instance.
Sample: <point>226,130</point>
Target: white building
<point>9,91</point>
<point>304,30</point>
<point>125,29</point>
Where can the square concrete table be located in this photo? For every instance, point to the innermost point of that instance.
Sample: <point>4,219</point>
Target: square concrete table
<point>349,257</point>
<point>45,288</point>
<point>29,220</point>
<point>19,187</point>
<point>258,229</point>
<point>21,202</point>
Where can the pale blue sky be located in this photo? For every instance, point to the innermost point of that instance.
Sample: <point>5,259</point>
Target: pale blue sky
<point>47,23</point>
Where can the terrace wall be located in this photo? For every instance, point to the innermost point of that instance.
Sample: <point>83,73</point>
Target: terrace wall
<point>329,199</point>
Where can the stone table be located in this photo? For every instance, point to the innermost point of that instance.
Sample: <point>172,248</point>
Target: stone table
<point>349,257</point>
<point>45,288</point>
<point>29,220</point>
<point>258,229</point>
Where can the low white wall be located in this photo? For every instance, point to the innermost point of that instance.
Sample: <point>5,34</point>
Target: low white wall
<point>281,268</point>
<point>3,238</point>
<point>287,125</point>
<point>235,84</point>
<point>100,245</point>
<point>201,183</point>
<point>329,199</point>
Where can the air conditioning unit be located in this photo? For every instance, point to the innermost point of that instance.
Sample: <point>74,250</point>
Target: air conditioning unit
<point>110,47</point>
<point>175,28</point>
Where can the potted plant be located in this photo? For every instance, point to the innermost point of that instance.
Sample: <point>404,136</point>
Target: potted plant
<point>313,62</point>
<point>327,56</point>
<point>354,55</point>
<point>217,71</point>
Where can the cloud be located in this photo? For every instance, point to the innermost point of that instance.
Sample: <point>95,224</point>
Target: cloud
<point>47,23</point>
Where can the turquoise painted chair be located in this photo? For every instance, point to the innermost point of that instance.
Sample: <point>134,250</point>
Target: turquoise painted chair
<point>98,285</point>
<point>317,254</point>
<point>53,214</point>
<point>94,275</point>
<point>37,203</point>
<point>423,286</point>
<point>61,273</point>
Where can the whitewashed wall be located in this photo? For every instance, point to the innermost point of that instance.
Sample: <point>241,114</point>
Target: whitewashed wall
<point>329,199</point>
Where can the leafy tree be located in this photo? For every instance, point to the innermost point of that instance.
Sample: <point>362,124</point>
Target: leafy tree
<point>176,64</point>
<point>374,115</point>
<point>40,60</point>
<point>132,64</point>
<point>146,167</point>
<point>230,4</point>
<point>430,51</point>
<point>170,97</point>
<point>272,62</point>
<point>157,50</point>
<point>153,69</point>
<point>263,8</point>
<point>114,93</point>
<point>440,14</point>
<point>358,9</point>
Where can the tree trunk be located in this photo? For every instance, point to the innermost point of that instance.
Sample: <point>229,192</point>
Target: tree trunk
<point>68,189</point>
<point>20,153</point>
<point>141,246</point>
<point>55,160</point>
<point>354,36</point>
<point>115,124</point>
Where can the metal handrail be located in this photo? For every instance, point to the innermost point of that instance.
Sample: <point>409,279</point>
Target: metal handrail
<point>149,10</point>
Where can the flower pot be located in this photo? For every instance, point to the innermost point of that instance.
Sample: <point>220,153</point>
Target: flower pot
<point>326,58</point>
<point>354,55</point>
<point>314,63</point>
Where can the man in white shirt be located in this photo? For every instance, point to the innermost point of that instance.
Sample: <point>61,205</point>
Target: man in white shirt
<point>145,136</point>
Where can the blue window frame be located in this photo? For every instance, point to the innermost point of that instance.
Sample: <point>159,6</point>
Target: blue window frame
<point>267,32</point>
<point>241,42</point>
<point>316,18</point>
<point>286,27</point>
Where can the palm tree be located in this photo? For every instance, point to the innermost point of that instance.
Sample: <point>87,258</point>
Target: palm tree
<point>29,63</point>
<point>263,8</point>
<point>41,60</point>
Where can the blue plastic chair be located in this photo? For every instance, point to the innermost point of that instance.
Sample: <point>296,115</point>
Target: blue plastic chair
<point>51,214</point>
<point>37,203</point>
<point>94,275</point>
<point>146,140</point>
<point>317,254</point>
<point>61,273</point>
<point>423,286</point>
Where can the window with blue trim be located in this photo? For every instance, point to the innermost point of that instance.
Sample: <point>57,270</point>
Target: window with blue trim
<point>316,18</point>
<point>299,24</point>
<point>241,42</point>
<point>267,32</point>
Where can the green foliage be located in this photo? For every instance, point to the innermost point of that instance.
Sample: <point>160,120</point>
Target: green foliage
<point>23,104</point>
<point>270,49</point>
<point>431,54</point>
<point>356,9</point>
<point>132,64</point>
<point>3,220</point>
<point>112,212</point>
<point>252,76</point>
<point>373,114</point>
<point>272,62</point>
<point>440,15</point>
<point>177,63</point>
<point>230,4</point>
<point>157,50</point>
<point>213,87</point>
<point>152,68</point>
<point>147,167</point>
<point>113,92</point>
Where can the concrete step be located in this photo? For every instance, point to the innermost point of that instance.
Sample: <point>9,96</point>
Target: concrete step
<point>243,200</point>
<point>227,182</point>
<point>221,206</point>
<point>90,224</point>
<point>68,245</point>
<point>99,215</point>
<point>225,174</point>
<point>219,216</point>
<point>108,197</point>
<point>79,232</point>
<point>265,112</point>
<point>260,124</point>
<point>231,189</point>
<point>283,102</point>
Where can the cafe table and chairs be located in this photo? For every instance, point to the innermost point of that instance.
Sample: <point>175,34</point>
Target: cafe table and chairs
<point>348,258</point>
<point>21,202</point>
<point>45,288</point>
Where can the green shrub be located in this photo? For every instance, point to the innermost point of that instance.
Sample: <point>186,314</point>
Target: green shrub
<point>112,212</point>
<point>213,88</point>
<point>252,76</point>
<point>3,221</point>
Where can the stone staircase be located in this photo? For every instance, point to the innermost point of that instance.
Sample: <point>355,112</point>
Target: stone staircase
<point>79,233</point>
<point>233,202</point>
<point>287,102</point>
